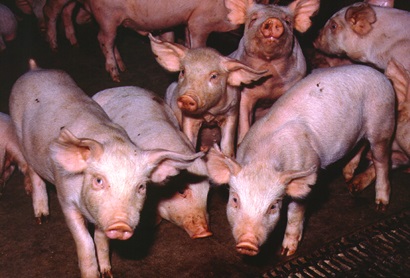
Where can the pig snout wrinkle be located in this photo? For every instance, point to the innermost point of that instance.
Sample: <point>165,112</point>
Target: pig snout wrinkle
<point>272,28</point>
<point>119,230</point>
<point>187,103</point>
<point>247,245</point>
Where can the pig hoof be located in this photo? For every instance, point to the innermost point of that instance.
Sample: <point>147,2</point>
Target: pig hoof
<point>354,189</point>
<point>42,219</point>
<point>381,207</point>
<point>107,274</point>
<point>285,252</point>
<point>204,149</point>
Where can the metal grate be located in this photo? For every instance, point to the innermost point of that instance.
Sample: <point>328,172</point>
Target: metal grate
<point>380,250</point>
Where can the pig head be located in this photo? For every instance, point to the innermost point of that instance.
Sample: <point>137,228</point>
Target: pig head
<point>368,34</point>
<point>269,44</point>
<point>205,90</point>
<point>183,199</point>
<point>99,174</point>
<point>304,131</point>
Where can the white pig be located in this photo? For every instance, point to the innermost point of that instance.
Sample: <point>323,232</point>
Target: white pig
<point>8,26</point>
<point>368,34</point>
<point>10,157</point>
<point>314,124</point>
<point>99,174</point>
<point>269,44</point>
<point>201,94</point>
<point>138,111</point>
<point>400,156</point>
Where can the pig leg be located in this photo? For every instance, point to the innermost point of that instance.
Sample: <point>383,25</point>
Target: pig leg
<point>106,37</point>
<point>191,127</point>
<point>228,130</point>
<point>68,23</point>
<point>51,11</point>
<point>103,250</point>
<point>85,245</point>
<point>362,180</point>
<point>294,228</point>
<point>246,107</point>
<point>39,196</point>
<point>380,157</point>
<point>351,166</point>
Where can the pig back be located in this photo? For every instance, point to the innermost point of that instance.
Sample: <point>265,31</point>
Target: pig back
<point>334,108</point>
<point>42,102</point>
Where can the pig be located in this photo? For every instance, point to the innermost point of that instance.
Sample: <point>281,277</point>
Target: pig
<point>205,90</point>
<point>8,26</point>
<point>137,110</point>
<point>305,130</point>
<point>10,157</point>
<point>269,44</point>
<point>400,156</point>
<point>99,173</point>
<point>368,34</point>
<point>200,17</point>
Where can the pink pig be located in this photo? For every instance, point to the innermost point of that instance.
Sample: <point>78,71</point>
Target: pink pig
<point>205,90</point>
<point>138,111</point>
<point>10,157</point>
<point>304,130</point>
<point>99,174</point>
<point>269,44</point>
<point>368,34</point>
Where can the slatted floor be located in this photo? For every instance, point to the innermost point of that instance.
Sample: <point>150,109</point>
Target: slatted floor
<point>380,250</point>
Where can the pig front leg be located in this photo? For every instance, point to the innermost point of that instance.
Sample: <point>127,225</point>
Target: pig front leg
<point>228,130</point>
<point>87,260</point>
<point>247,104</point>
<point>351,166</point>
<point>191,127</point>
<point>51,11</point>
<point>68,23</point>
<point>39,195</point>
<point>294,228</point>
<point>103,250</point>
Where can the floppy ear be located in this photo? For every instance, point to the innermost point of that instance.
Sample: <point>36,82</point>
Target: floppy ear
<point>361,18</point>
<point>298,183</point>
<point>303,10</point>
<point>167,54</point>
<point>73,153</point>
<point>400,78</point>
<point>237,10</point>
<point>163,163</point>
<point>240,73</point>
<point>220,167</point>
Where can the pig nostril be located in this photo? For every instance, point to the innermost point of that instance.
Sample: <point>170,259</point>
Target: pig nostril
<point>120,231</point>
<point>247,248</point>
<point>272,28</point>
<point>187,103</point>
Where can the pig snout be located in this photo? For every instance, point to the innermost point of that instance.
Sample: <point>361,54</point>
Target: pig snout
<point>247,245</point>
<point>119,230</point>
<point>197,227</point>
<point>188,103</point>
<point>272,28</point>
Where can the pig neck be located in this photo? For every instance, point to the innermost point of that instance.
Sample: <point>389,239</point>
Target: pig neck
<point>283,72</point>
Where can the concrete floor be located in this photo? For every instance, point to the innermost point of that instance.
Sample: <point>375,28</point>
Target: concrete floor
<point>30,250</point>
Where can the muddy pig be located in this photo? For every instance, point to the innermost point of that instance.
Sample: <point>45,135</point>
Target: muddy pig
<point>368,34</point>
<point>400,157</point>
<point>70,141</point>
<point>304,130</point>
<point>269,44</point>
<point>200,18</point>
<point>205,90</point>
<point>8,26</point>
<point>137,111</point>
<point>12,156</point>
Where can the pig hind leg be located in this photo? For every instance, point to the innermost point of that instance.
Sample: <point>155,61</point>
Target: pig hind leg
<point>39,195</point>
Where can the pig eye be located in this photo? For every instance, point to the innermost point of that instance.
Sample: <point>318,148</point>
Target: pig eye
<point>274,208</point>
<point>141,189</point>
<point>235,200</point>
<point>182,73</point>
<point>98,183</point>
<point>182,192</point>
<point>214,76</point>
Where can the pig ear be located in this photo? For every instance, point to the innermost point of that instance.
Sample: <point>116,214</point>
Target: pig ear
<point>72,153</point>
<point>361,18</point>
<point>237,10</point>
<point>168,54</point>
<point>240,73</point>
<point>220,167</point>
<point>164,163</point>
<point>298,183</point>
<point>303,10</point>
<point>400,78</point>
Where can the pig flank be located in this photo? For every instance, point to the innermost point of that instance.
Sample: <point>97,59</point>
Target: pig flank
<point>269,44</point>
<point>137,111</point>
<point>283,151</point>
<point>368,34</point>
<point>98,172</point>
